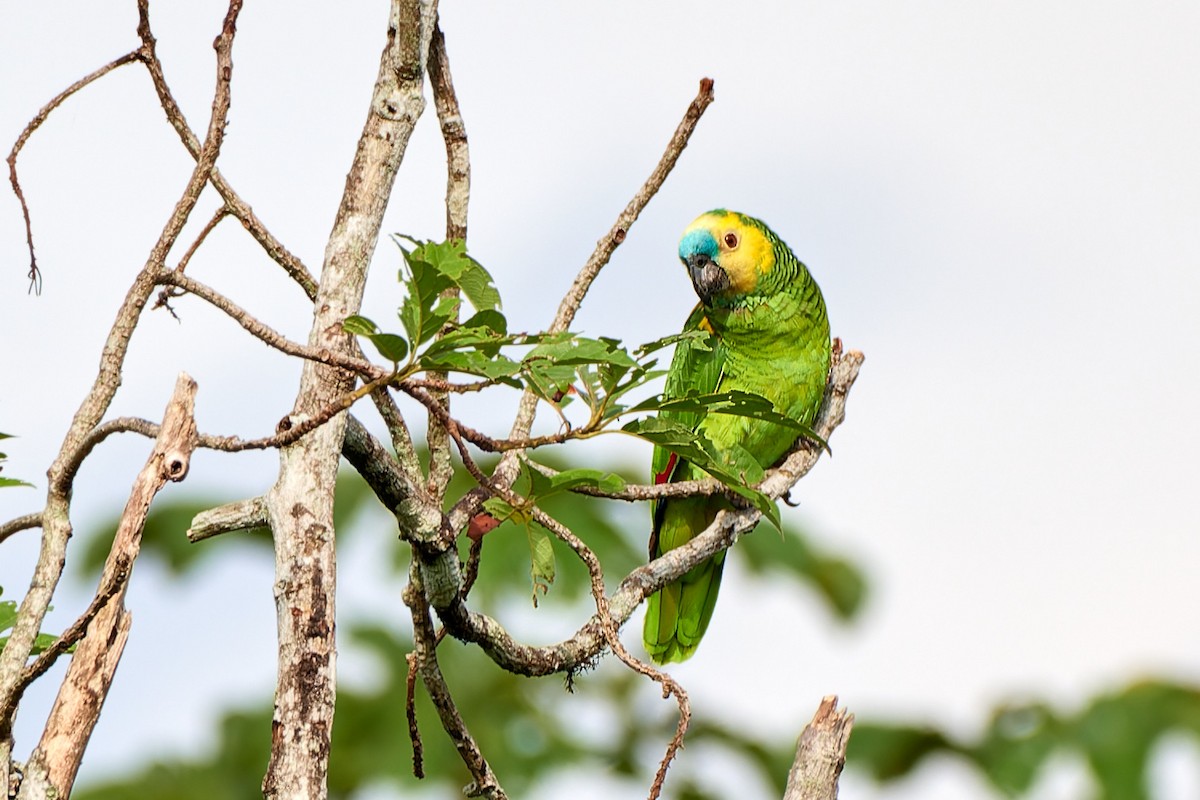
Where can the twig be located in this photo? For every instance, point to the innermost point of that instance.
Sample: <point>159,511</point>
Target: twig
<point>164,297</point>
<point>19,524</point>
<point>410,713</point>
<point>56,518</point>
<point>608,626</point>
<point>35,276</point>
<point>265,333</point>
<point>274,248</point>
<point>636,492</point>
<point>458,191</point>
<point>508,468</point>
<point>820,754</point>
<point>52,766</point>
<point>425,655</point>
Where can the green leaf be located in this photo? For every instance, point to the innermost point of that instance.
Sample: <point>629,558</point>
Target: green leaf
<point>391,346</point>
<point>359,325</point>
<point>8,618</point>
<point>571,349</point>
<point>736,403</point>
<point>888,752</point>
<point>1019,742</point>
<point>8,614</point>
<point>425,285</point>
<point>700,340</point>
<point>541,554</point>
<point>498,508</point>
<point>489,318</point>
<point>13,482</point>
<point>9,481</point>
<point>734,467</point>
<point>451,259</point>
<point>548,379</point>
<point>474,363</point>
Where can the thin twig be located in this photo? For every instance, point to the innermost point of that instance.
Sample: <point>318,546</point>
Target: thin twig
<point>19,524</point>
<point>608,626</point>
<point>35,276</point>
<point>410,713</point>
<point>458,191</point>
<point>265,333</point>
<point>56,515</point>
<point>425,654</point>
<point>164,297</point>
<point>274,248</point>
<point>508,468</point>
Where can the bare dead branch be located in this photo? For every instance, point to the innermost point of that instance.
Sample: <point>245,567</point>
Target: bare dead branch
<point>241,515</point>
<point>274,248</point>
<point>458,190</point>
<point>265,333</point>
<point>56,519</point>
<point>820,754</point>
<point>35,277</point>
<point>508,469</point>
<point>51,769</point>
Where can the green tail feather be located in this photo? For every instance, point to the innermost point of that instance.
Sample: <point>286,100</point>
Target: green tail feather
<point>678,615</point>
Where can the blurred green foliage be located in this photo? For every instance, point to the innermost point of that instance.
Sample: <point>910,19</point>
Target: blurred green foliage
<point>526,730</point>
<point>522,725</point>
<point>1115,733</point>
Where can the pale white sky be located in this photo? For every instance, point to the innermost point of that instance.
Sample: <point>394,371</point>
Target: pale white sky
<point>1001,203</point>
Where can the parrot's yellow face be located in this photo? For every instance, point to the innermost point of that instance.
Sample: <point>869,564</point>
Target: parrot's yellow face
<point>725,238</point>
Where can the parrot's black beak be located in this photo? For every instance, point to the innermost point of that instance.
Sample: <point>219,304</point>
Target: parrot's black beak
<point>708,279</point>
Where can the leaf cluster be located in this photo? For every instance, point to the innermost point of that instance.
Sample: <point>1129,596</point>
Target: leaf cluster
<point>558,368</point>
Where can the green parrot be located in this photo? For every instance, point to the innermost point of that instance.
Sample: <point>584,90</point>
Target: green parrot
<point>769,336</point>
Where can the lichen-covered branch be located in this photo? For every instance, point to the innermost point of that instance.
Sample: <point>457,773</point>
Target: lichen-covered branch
<point>300,504</point>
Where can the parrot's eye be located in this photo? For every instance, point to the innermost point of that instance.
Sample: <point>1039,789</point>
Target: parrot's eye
<point>731,240</point>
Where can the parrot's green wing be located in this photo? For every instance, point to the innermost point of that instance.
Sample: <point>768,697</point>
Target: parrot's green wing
<point>678,614</point>
<point>696,367</point>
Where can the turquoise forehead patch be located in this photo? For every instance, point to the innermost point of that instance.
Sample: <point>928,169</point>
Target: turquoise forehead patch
<point>697,242</point>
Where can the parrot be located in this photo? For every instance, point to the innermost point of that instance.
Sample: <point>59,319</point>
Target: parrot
<point>768,335</point>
